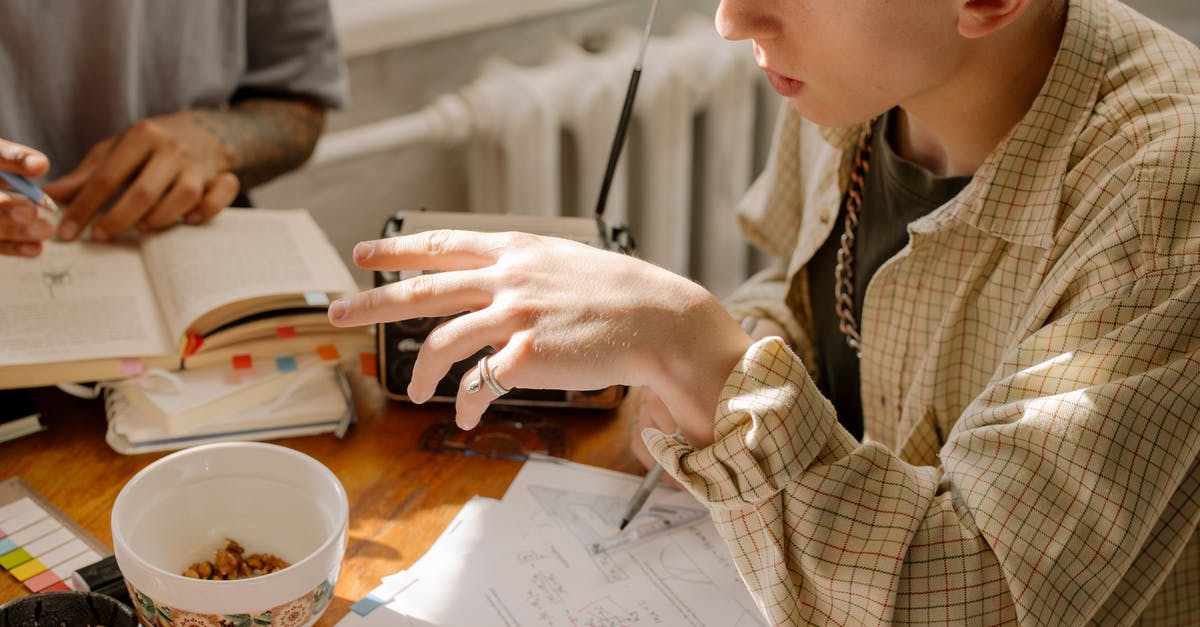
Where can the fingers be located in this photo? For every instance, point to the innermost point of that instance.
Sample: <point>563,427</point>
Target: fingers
<point>432,250</point>
<point>449,343</point>
<point>219,193</point>
<point>120,165</point>
<point>22,159</point>
<point>21,231</point>
<point>475,393</point>
<point>141,197</point>
<point>66,188</point>
<point>423,296</point>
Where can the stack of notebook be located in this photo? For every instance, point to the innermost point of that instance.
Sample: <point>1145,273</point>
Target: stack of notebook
<point>265,400</point>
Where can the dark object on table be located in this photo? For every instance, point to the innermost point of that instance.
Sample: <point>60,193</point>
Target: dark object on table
<point>18,415</point>
<point>66,608</point>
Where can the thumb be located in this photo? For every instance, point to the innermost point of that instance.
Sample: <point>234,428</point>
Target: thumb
<point>64,188</point>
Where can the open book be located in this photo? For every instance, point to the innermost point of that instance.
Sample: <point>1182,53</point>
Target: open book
<point>252,283</point>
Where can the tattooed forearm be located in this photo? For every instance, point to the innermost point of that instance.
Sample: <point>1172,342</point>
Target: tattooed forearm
<point>266,136</point>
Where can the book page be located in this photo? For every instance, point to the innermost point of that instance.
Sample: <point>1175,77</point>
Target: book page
<point>78,300</point>
<point>242,254</point>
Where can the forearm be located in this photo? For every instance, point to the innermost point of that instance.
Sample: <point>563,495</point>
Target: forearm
<point>265,137</point>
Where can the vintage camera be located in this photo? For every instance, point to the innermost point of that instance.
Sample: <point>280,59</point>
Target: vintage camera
<point>400,341</point>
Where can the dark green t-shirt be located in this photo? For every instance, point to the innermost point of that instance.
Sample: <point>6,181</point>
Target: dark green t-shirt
<point>896,193</point>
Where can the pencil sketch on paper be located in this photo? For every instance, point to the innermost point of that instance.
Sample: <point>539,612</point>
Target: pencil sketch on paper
<point>44,281</point>
<point>593,518</point>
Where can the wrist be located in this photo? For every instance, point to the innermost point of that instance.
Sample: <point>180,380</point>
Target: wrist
<point>689,375</point>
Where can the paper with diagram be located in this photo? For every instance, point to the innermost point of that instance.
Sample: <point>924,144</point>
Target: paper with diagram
<point>548,554</point>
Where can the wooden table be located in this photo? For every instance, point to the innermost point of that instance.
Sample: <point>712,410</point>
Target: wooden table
<point>401,497</point>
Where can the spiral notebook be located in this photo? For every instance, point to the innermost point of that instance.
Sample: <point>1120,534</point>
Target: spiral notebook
<point>217,405</point>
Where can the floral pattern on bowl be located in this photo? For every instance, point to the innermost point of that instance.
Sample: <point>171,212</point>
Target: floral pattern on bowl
<point>296,613</point>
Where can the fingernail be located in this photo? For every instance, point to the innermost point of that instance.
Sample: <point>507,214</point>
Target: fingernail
<point>337,309</point>
<point>193,218</point>
<point>413,395</point>
<point>99,234</point>
<point>68,230</point>
<point>34,160</point>
<point>364,250</point>
<point>29,250</point>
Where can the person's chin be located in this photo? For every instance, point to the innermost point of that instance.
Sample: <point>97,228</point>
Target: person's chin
<point>822,115</point>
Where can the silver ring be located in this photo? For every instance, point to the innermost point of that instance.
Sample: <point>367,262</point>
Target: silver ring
<point>487,376</point>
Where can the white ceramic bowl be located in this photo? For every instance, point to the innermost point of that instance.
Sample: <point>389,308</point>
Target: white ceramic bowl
<point>270,499</point>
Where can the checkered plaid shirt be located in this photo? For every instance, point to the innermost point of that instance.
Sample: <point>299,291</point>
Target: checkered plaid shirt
<point>1030,371</point>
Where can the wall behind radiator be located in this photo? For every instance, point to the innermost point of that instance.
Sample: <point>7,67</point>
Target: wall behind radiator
<point>397,66</point>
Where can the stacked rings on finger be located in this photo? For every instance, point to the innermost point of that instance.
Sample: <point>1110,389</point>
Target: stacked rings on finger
<point>487,377</point>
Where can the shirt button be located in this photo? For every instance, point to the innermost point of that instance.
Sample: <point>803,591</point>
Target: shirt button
<point>825,216</point>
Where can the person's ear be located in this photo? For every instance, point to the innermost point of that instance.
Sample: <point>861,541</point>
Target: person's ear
<point>977,18</point>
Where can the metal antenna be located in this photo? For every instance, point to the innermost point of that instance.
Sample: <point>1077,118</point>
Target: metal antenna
<point>623,124</point>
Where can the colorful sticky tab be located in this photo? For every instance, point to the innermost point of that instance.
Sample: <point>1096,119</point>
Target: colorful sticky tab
<point>284,333</point>
<point>132,367</point>
<point>328,352</point>
<point>286,364</point>
<point>243,362</point>
<point>368,364</point>
<point>192,343</point>
<point>28,569</point>
<point>12,559</point>
<point>316,298</point>
<point>39,546</point>
<point>41,581</point>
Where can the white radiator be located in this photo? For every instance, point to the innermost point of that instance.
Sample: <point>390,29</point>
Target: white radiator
<point>537,140</point>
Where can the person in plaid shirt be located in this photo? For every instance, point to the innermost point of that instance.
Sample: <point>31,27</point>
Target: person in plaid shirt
<point>1017,181</point>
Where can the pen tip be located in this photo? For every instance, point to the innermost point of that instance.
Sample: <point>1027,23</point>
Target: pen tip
<point>624,523</point>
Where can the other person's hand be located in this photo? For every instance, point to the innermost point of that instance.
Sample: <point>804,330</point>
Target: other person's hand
<point>157,173</point>
<point>22,231</point>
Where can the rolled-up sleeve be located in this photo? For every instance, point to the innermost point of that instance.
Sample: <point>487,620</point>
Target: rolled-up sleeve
<point>292,50</point>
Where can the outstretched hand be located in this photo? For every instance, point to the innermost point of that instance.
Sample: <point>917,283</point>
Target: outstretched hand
<point>560,314</point>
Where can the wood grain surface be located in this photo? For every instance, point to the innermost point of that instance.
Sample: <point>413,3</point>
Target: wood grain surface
<point>401,497</point>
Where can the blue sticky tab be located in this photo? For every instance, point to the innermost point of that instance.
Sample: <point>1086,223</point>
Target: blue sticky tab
<point>7,545</point>
<point>286,364</point>
<point>366,604</point>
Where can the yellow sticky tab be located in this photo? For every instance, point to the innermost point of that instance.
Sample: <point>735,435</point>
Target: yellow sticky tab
<point>28,569</point>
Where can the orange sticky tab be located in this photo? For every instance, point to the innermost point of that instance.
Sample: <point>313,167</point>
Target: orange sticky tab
<point>243,362</point>
<point>191,344</point>
<point>328,352</point>
<point>367,362</point>
<point>284,333</point>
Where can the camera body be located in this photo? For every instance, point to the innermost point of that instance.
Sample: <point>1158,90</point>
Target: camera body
<point>400,341</point>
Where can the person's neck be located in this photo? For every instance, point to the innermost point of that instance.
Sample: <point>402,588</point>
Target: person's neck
<point>952,130</point>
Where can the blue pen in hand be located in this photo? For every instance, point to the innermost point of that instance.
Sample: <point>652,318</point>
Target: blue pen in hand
<point>24,187</point>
